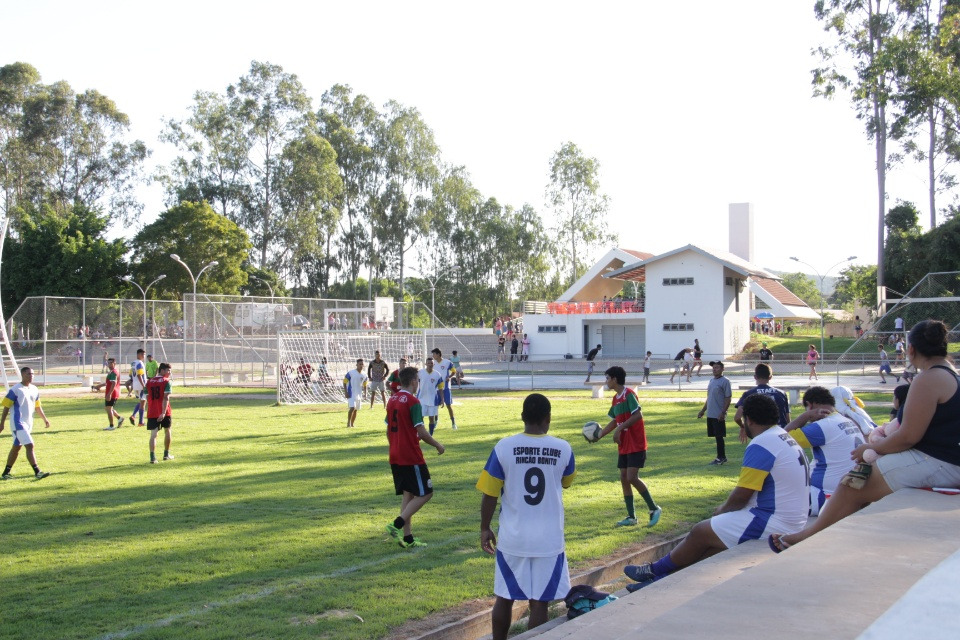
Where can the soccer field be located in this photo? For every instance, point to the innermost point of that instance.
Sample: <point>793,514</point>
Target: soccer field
<point>270,521</point>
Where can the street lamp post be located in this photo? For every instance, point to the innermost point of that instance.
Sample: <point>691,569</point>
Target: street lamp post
<point>253,277</point>
<point>822,278</point>
<point>193,322</point>
<point>433,296</point>
<point>143,290</point>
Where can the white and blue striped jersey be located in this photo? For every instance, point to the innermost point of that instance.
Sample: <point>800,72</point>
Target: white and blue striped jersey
<point>528,473</point>
<point>832,439</point>
<point>776,468</point>
<point>22,401</point>
<point>353,383</point>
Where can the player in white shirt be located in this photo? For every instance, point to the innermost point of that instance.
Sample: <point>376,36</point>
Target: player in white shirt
<point>529,470</point>
<point>832,436</point>
<point>429,391</point>
<point>445,367</point>
<point>772,494</point>
<point>22,400</point>
<point>353,384</point>
<point>138,373</point>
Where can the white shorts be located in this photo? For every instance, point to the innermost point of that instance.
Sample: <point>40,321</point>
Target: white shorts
<point>523,578</point>
<point>735,527</point>
<point>355,402</point>
<point>429,410</point>
<point>912,469</point>
<point>21,437</point>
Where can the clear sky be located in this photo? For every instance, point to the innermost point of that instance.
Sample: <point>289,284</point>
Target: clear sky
<point>688,107</point>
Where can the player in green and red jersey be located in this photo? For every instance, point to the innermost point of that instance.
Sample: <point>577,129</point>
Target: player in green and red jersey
<point>394,380</point>
<point>158,410</point>
<point>411,478</point>
<point>111,394</point>
<point>628,432</point>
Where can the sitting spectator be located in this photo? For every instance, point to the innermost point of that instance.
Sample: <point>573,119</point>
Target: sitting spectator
<point>771,493</point>
<point>924,453</point>
<point>832,436</point>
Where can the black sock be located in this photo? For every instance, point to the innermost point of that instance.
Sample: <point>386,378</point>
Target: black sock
<point>6,469</point>
<point>408,539</point>
<point>399,522</point>
<point>36,469</point>
<point>721,449</point>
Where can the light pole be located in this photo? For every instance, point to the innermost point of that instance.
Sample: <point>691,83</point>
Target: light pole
<point>822,277</point>
<point>193,322</point>
<point>144,290</point>
<point>253,277</point>
<point>433,295</point>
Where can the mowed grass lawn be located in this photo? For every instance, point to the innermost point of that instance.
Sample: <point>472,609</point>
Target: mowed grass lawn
<point>270,522</point>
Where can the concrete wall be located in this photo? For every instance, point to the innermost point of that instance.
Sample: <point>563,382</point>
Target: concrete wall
<point>702,304</point>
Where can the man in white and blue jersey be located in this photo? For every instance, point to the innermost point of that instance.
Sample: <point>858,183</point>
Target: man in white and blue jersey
<point>353,384</point>
<point>528,472</point>
<point>138,374</point>
<point>21,401</point>
<point>832,436</point>
<point>429,392</point>
<point>762,374</point>
<point>445,367</point>
<point>772,494</point>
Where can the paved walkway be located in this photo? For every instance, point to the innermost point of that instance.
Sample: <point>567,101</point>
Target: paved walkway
<point>887,573</point>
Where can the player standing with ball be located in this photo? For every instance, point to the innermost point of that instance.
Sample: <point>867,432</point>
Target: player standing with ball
<point>630,435</point>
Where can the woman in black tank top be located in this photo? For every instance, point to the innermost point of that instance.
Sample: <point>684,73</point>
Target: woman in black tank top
<point>931,425</point>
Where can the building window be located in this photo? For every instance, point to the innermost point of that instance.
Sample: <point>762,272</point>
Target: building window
<point>668,282</point>
<point>679,327</point>
<point>552,328</point>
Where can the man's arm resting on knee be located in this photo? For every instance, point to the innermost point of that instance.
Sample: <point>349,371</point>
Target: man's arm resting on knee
<point>738,499</point>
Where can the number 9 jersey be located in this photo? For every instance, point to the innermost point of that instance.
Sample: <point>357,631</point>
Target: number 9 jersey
<point>528,473</point>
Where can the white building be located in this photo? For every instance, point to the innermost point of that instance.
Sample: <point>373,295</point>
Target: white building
<point>690,292</point>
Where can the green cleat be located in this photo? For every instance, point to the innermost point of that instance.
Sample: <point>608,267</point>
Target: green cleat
<point>416,543</point>
<point>627,522</point>
<point>42,474</point>
<point>394,532</point>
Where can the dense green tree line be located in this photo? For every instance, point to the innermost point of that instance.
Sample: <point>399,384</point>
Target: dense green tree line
<point>340,199</point>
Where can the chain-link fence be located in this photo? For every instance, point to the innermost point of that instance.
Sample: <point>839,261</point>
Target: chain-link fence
<point>231,338</point>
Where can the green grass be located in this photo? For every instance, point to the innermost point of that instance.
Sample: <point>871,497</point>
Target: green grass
<point>269,523</point>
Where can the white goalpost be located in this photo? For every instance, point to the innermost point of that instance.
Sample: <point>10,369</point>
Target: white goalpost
<point>311,364</point>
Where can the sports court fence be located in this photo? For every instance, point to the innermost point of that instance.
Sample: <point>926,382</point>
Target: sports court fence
<point>212,337</point>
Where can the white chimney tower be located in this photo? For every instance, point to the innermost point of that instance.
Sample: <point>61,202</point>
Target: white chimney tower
<point>741,230</point>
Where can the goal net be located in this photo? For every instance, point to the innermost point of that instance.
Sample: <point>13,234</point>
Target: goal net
<point>312,364</point>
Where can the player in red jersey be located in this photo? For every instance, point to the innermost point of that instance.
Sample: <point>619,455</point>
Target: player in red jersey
<point>394,380</point>
<point>111,394</point>
<point>158,410</point>
<point>411,478</point>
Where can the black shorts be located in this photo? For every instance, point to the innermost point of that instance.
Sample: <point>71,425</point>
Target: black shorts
<point>633,460</point>
<point>110,403</point>
<point>412,478</point>
<point>157,423</point>
<point>716,428</point>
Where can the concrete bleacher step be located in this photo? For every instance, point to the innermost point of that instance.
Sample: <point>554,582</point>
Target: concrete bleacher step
<point>833,585</point>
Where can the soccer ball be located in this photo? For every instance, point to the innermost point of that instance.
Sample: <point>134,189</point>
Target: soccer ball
<point>591,431</point>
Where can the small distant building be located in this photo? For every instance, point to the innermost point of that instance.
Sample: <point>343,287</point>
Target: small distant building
<point>690,292</point>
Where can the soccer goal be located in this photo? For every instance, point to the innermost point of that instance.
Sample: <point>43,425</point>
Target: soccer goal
<point>311,364</point>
